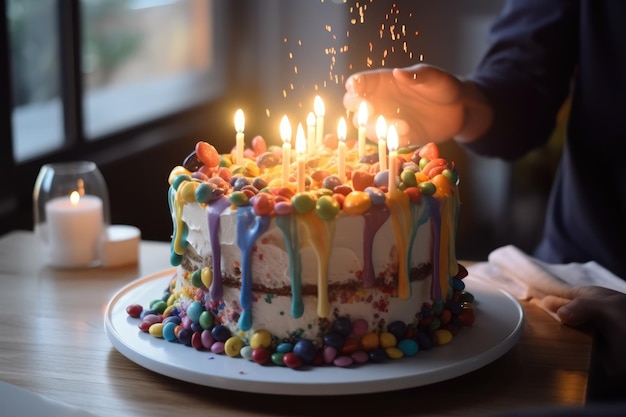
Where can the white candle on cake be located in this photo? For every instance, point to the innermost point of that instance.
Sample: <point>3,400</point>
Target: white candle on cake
<point>239,127</point>
<point>74,227</point>
<point>320,111</point>
<point>310,132</point>
<point>341,149</point>
<point>381,134</point>
<point>300,156</point>
<point>362,122</point>
<point>392,144</point>
<point>285,135</point>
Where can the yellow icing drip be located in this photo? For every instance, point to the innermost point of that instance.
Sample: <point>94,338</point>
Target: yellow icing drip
<point>398,203</point>
<point>447,259</point>
<point>319,234</point>
<point>184,195</point>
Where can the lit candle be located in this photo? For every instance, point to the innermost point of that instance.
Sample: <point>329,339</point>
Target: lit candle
<point>310,132</point>
<point>320,110</point>
<point>239,126</point>
<point>361,117</point>
<point>74,224</point>
<point>341,149</point>
<point>392,143</point>
<point>381,134</point>
<point>285,135</point>
<point>300,153</point>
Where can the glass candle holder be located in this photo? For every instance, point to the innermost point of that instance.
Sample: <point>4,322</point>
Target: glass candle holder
<point>71,213</point>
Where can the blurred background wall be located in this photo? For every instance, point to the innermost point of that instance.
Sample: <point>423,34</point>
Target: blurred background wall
<point>267,57</point>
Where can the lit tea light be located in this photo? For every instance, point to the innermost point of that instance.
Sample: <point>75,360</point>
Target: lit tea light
<point>381,134</point>
<point>300,156</point>
<point>320,111</point>
<point>75,225</point>
<point>362,122</point>
<point>310,132</point>
<point>239,127</point>
<point>392,144</point>
<point>342,129</point>
<point>285,135</point>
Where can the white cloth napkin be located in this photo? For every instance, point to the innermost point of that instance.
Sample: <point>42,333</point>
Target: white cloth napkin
<point>527,278</point>
<point>18,402</point>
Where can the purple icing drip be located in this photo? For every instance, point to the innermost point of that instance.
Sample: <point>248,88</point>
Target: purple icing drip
<point>435,221</point>
<point>215,209</point>
<point>374,218</point>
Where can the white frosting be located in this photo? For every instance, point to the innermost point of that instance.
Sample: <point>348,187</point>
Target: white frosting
<point>270,268</point>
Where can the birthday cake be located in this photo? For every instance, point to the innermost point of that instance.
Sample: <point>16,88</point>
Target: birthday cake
<point>325,257</point>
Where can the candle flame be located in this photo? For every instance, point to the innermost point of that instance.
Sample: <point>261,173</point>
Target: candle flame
<point>381,128</point>
<point>362,114</point>
<point>239,121</point>
<point>285,130</point>
<point>342,129</point>
<point>300,140</point>
<point>74,198</point>
<point>318,106</point>
<point>310,119</point>
<point>392,138</point>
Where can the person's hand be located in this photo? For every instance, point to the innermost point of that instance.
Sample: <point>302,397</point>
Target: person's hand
<point>605,311</point>
<point>424,102</point>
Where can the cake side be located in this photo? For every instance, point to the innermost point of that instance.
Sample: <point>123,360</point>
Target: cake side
<point>354,264</point>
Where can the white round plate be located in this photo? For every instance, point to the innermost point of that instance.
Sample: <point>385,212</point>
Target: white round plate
<point>498,326</point>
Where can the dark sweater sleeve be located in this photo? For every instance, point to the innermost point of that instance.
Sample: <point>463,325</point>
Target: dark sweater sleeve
<point>526,74</point>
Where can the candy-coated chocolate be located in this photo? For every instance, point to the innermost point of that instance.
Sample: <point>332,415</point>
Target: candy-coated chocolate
<point>156,330</point>
<point>292,360</point>
<point>284,347</point>
<point>305,349</point>
<point>168,331</point>
<point>221,333</point>
<point>387,340</point>
<point>370,341</point>
<point>304,202</point>
<point>360,356</point>
<point>359,327</point>
<point>277,358</point>
<point>329,354</point>
<point>194,310</point>
<point>207,154</point>
<point>334,339</point>
<point>233,346</point>
<point>357,202</point>
<point>261,338</point>
<point>196,340</point>
<point>394,353</point>
<point>246,352</point>
<point>261,355</point>
<point>239,198</point>
<point>134,310</point>
<point>443,336</point>
<point>205,320</point>
<point>377,196</point>
<point>343,361</point>
<point>327,208</point>
<point>217,347</point>
<point>207,339</point>
<point>263,204</point>
<point>408,347</point>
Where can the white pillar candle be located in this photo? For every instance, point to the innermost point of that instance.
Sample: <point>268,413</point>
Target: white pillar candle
<point>74,227</point>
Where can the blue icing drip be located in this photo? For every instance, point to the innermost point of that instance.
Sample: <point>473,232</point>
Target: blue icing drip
<point>214,210</point>
<point>288,227</point>
<point>433,207</point>
<point>249,228</point>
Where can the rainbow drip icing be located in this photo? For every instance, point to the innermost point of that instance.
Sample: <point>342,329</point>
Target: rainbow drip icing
<point>300,229</point>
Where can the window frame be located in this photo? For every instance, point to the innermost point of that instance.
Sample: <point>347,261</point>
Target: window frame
<point>106,149</point>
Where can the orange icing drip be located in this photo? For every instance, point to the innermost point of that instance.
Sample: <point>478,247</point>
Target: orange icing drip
<point>398,203</point>
<point>319,234</point>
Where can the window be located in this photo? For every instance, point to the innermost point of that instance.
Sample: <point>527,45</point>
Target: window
<point>85,70</point>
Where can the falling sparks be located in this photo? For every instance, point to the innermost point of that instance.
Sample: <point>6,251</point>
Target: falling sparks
<point>374,34</point>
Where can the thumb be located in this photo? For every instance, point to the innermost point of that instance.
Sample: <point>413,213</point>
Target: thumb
<point>579,311</point>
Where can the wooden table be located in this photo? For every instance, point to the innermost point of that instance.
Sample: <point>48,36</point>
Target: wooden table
<point>52,342</point>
